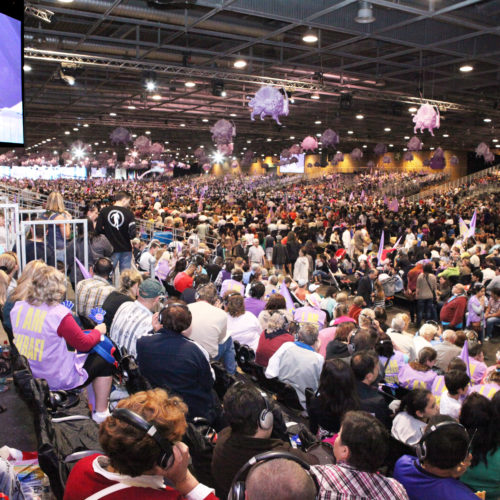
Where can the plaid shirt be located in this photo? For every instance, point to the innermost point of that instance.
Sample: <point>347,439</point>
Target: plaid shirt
<point>91,293</point>
<point>344,482</point>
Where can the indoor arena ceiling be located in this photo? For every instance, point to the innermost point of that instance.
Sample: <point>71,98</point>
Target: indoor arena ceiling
<point>413,50</point>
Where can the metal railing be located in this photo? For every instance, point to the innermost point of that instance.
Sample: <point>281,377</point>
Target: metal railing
<point>461,181</point>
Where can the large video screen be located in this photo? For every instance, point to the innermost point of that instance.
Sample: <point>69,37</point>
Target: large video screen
<point>11,75</point>
<point>292,167</point>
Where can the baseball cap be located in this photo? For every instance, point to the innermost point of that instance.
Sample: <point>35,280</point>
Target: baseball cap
<point>150,289</point>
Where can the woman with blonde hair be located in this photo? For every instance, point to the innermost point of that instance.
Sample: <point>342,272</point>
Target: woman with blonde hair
<point>43,328</point>
<point>9,263</point>
<point>128,289</point>
<point>19,293</point>
<point>56,237</point>
<point>136,459</point>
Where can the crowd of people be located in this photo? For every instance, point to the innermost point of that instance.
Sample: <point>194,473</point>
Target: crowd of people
<point>304,275</point>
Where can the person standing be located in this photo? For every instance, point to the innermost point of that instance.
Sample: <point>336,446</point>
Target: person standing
<point>117,222</point>
<point>426,295</point>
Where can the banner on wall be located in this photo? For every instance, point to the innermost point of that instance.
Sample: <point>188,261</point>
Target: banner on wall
<point>46,173</point>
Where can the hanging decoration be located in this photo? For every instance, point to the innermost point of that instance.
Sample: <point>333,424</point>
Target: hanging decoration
<point>386,159</point>
<point>356,154</point>
<point>380,149</point>
<point>234,164</point>
<point>427,117</point>
<point>339,157</point>
<point>408,156</point>
<point>285,153</point>
<point>370,164</point>
<point>120,135</point>
<point>222,134</point>
<point>454,161</point>
<point>142,144</point>
<point>329,138</point>
<point>482,149</point>
<point>247,159</point>
<point>414,144</point>
<point>309,143</point>
<point>269,101</point>
<point>437,161</point>
<point>295,150</point>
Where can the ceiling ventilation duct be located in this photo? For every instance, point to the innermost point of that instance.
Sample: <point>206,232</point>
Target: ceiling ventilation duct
<point>170,4</point>
<point>365,13</point>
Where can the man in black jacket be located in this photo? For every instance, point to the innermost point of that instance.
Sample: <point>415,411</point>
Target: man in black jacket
<point>280,254</point>
<point>365,366</point>
<point>366,287</point>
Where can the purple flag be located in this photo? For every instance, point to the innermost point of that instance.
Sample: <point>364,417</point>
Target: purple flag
<point>397,243</point>
<point>86,275</point>
<point>351,196</point>
<point>363,196</point>
<point>394,205</point>
<point>288,299</point>
<point>386,201</point>
<point>464,356</point>
<point>472,226</point>
<point>380,249</point>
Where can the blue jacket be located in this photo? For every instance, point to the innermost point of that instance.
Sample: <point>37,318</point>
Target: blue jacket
<point>173,362</point>
<point>421,485</point>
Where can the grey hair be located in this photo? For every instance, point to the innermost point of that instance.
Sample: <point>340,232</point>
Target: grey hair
<point>308,333</point>
<point>208,293</point>
<point>398,323</point>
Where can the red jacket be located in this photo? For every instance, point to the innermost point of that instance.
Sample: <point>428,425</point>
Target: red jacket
<point>83,482</point>
<point>267,347</point>
<point>454,310</point>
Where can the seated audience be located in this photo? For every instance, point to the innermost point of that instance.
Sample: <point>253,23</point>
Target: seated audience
<point>419,374</point>
<point>43,328</point>
<point>311,312</point>
<point>476,363</point>
<point>438,386</point>
<point>453,311</point>
<point>365,365</point>
<point>445,457</point>
<point>298,363</point>
<point>336,395</point>
<point>234,284</point>
<point>135,319</point>
<point>136,463</point>
<point>401,338</point>
<point>339,347</point>
<point>251,420</point>
<point>492,313</point>
<point>391,360</point>
<point>326,335</point>
<point>481,418</point>
<point>357,306</point>
<point>128,291</point>
<point>242,325</point>
<point>92,292</point>
<point>271,339</point>
<point>426,335</point>
<point>457,385</point>
<point>360,450</point>
<point>416,408</point>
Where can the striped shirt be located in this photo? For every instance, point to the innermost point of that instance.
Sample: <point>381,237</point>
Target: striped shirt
<point>132,321</point>
<point>91,293</point>
<point>344,482</point>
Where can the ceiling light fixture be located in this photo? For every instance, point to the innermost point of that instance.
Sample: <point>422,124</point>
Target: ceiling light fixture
<point>317,122</point>
<point>359,116</point>
<point>183,124</point>
<point>412,109</point>
<point>487,120</point>
<point>310,36</point>
<point>365,13</point>
<point>131,107</point>
<point>350,132</point>
<point>190,84</point>
<point>466,68</point>
<point>27,68</point>
<point>205,120</point>
<point>148,132</point>
<point>240,63</point>
<point>387,129</point>
<point>446,135</point>
<point>156,97</point>
<point>315,96</point>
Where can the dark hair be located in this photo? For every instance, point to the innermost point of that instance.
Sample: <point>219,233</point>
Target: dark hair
<point>364,340</point>
<point>176,317</point>
<point>330,291</point>
<point>456,380</point>
<point>367,440</point>
<point>415,400</point>
<point>122,195</point>
<point>446,446</point>
<point>425,354</point>
<point>343,330</point>
<point>380,313</point>
<point>363,363</point>
<point>243,404</point>
<point>427,268</point>
<point>103,267</point>
<point>384,346</point>
<point>257,290</point>
<point>337,388</point>
<point>237,275</point>
<point>457,364</point>
<point>276,301</point>
<point>475,349</point>
<point>478,413</point>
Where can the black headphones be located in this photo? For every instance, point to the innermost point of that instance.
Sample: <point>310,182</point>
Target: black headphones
<point>422,447</point>
<point>166,457</point>
<point>237,490</point>
<point>168,306</point>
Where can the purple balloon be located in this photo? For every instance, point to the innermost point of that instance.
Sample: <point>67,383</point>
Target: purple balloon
<point>386,159</point>
<point>120,135</point>
<point>482,149</point>
<point>285,153</point>
<point>380,149</point>
<point>414,144</point>
<point>329,139</point>
<point>427,117</point>
<point>408,156</point>
<point>356,154</point>
<point>338,157</point>
<point>309,143</point>
<point>454,161</point>
<point>223,132</point>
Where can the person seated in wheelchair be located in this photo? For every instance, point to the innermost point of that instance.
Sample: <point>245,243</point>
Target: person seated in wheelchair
<point>143,456</point>
<point>43,328</point>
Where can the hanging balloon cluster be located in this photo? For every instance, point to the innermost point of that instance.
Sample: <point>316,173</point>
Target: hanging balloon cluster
<point>222,135</point>
<point>484,151</point>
